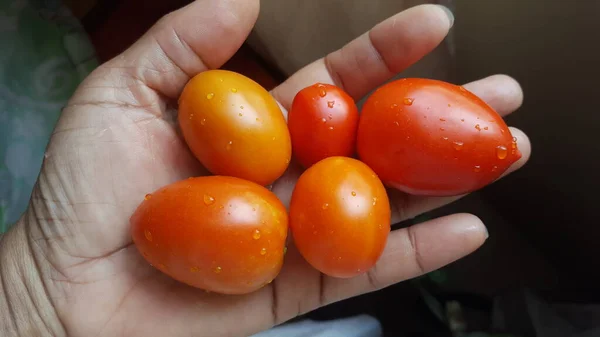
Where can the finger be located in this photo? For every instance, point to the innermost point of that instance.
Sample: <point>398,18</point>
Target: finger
<point>200,36</point>
<point>406,206</point>
<point>501,92</point>
<point>376,56</point>
<point>411,252</point>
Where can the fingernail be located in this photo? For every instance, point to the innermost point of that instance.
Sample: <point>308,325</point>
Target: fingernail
<point>449,14</point>
<point>487,233</point>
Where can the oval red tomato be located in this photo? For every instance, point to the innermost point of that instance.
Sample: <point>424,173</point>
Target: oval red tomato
<point>340,216</point>
<point>221,234</point>
<point>429,137</point>
<point>234,127</point>
<point>322,122</point>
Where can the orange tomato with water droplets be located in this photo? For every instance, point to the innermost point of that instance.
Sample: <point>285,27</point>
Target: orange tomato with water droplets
<point>428,137</point>
<point>340,216</point>
<point>234,126</point>
<point>221,234</point>
<point>322,122</point>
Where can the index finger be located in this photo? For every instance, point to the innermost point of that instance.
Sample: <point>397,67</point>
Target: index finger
<point>374,57</point>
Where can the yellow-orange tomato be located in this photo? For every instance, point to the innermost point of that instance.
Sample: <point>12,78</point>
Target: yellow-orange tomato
<point>340,216</point>
<point>221,234</point>
<point>234,127</point>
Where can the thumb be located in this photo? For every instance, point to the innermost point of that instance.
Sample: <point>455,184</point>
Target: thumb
<point>203,35</point>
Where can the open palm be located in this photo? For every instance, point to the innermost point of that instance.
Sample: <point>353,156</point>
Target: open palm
<point>117,140</point>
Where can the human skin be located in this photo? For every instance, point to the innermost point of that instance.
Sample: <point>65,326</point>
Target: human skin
<point>69,267</point>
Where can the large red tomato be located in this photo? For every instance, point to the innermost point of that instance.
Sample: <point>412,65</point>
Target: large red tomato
<point>322,122</point>
<point>340,216</point>
<point>429,137</point>
<point>221,234</point>
<point>234,127</point>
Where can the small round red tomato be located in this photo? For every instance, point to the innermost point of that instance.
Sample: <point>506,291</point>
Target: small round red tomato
<point>340,216</point>
<point>428,137</point>
<point>322,122</point>
<point>234,126</point>
<point>221,234</point>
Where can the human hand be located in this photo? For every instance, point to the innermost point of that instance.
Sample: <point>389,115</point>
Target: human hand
<point>117,141</point>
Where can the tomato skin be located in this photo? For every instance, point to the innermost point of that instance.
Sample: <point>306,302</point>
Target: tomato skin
<point>234,127</point>
<point>428,137</point>
<point>221,234</point>
<point>323,121</point>
<point>340,216</point>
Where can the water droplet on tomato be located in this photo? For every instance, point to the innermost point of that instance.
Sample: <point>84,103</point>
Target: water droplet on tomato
<point>501,152</point>
<point>449,105</point>
<point>256,234</point>
<point>330,116</point>
<point>477,127</point>
<point>218,270</point>
<point>148,235</point>
<point>233,90</point>
<point>330,104</point>
<point>408,101</point>
<point>501,130</point>
<point>485,128</point>
<point>273,138</point>
<point>442,119</point>
<point>257,119</point>
<point>374,201</point>
<point>229,144</point>
<point>148,196</point>
<point>240,114</point>
<point>323,120</point>
<point>314,232</point>
<point>396,123</point>
<point>442,129</point>
<point>445,138</point>
<point>263,251</point>
<point>462,119</point>
<point>458,145</point>
<point>203,121</point>
<point>353,193</point>
<point>210,95</point>
<point>194,269</point>
<point>331,128</point>
<point>477,168</point>
<point>393,106</point>
<point>325,206</point>
<point>208,200</point>
<point>284,250</point>
<point>221,80</point>
<point>462,88</point>
<point>495,168</point>
<point>191,116</point>
<point>322,92</point>
<point>287,160</point>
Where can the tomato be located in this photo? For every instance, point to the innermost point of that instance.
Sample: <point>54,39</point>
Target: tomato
<point>340,216</point>
<point>234,126</point>
<point>217,233</point>
<point>322,122</point>
<point>428,137</point>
